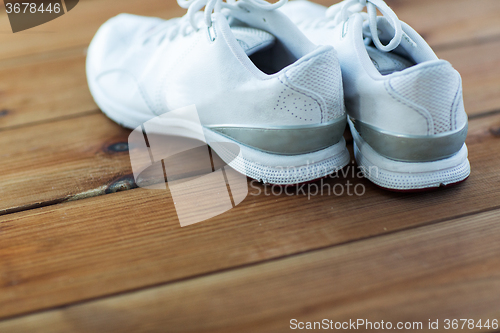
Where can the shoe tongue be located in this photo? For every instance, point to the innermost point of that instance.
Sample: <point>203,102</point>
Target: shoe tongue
<point>253,40</point>
<point>387,63</point>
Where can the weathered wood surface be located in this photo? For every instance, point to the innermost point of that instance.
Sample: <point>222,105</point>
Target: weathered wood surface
<point>121,262</point>
<point>449,270</point>
<point>100,246</point>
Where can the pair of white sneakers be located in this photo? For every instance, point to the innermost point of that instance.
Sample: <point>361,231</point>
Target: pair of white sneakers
<point>280,81</point>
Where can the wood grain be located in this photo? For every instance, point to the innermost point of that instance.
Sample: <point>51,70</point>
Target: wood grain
<point>77,158</point>
<point>99,246</point>
<point>61,160</point>
<point>451,23</point>
<point>76,28</point>
<point>44,89</point>
<point>466,21</point>
<point>436,272</point>
<point>479,66</point>
<point>447,23</point>
<point>122,263</point>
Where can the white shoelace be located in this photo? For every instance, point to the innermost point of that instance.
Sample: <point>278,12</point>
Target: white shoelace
<point>341,12</point>
<point>189,23</point>
<point>214,6</point>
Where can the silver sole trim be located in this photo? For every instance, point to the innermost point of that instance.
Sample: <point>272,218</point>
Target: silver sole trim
<point>411,148</point>
<point>286,140</point>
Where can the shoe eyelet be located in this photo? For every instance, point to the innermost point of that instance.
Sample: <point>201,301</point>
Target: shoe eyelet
<point>345,28</point>
<point>212,35</point>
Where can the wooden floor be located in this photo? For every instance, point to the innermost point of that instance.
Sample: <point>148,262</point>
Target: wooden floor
<point>81,253</point>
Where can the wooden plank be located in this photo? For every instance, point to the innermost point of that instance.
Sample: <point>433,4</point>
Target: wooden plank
<point>76,28</point>
<point>96,247</point>
<point>479,66</point>
<point>72,159</point>
<point>446,271</point>
<point>61,160</point>
<point>44,89</point>
<point>465,21</point>
<point>444,23</point>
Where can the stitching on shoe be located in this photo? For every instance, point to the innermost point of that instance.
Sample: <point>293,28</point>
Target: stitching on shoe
<point>456,103</point>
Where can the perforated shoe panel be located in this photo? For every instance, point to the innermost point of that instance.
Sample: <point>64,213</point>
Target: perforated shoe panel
<point>320,77</point>
<point>436,89</point>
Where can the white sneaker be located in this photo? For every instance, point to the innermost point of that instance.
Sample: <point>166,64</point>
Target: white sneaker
<point>405,106</point>
<point>254,78</point>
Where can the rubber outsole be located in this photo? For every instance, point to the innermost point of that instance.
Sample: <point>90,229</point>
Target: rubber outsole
<point>409,176</point>
<point>280,169</point>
